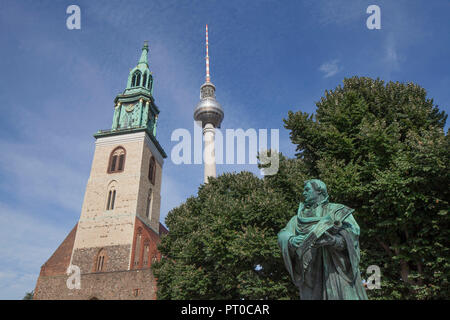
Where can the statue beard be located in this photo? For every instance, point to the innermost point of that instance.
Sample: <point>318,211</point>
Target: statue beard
<point>311,203</point>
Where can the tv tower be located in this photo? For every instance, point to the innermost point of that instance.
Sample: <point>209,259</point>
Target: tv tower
<point>210,113</point>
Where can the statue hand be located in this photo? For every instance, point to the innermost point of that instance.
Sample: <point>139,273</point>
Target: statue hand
<point>325,240</point>
<point>295,241</point>
<point>337,226</point>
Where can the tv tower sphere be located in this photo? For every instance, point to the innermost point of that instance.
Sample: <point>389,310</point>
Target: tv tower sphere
<point>208,110</point>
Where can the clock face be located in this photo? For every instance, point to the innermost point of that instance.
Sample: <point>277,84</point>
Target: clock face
<point>129,107</point>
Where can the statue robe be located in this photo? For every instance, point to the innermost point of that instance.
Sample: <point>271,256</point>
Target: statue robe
<point>327,272</point>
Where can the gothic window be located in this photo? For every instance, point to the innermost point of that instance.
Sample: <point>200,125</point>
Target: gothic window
<point>111,199</point>
<point>137,248</point>
<point>144,81</point>
<point>152,170</point>
<point>117,160</point>
<point>148,210</point>
<point>136,79</point>
<point>146,252</point>
<point>108,204</point>
<point>100,261</point>
<point>121,160</point>
<point>149,86</point>
<point>111,195</point>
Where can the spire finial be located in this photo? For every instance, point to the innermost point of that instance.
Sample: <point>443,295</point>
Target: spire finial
<point>207,57</point>
<point>144,55</point>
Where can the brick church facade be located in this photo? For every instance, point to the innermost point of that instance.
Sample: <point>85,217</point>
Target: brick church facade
<point>114,243</point>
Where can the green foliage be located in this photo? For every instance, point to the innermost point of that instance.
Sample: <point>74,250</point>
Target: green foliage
<point>28,295</point>
<point>222,244</point>
<point>382,150</point>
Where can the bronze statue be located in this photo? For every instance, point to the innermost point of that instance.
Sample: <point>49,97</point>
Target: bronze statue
<point>320,248</point>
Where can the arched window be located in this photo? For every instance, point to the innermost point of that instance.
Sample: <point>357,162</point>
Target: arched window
<point>111,199</point>
<point>148,210</point>
<point>146,252</point>
<point>117,160</point>
<point>152,170</point>
<point>144,81</point>
<point>100,261</point>
<point>149,85</point>
<point>137,248</point>
<point>111,195</point>
<point>136,79</point>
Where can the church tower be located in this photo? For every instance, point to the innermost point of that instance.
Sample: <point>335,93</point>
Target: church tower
<point>115,240</point>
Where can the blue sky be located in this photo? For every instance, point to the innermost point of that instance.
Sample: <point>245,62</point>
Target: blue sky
<point>57,88</point>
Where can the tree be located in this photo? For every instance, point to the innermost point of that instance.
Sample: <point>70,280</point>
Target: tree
<point>222,243</point>
<point>381,149</point>
<point>28,295</point>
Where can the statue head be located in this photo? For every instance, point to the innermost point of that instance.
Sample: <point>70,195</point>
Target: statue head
<point>315,191</point>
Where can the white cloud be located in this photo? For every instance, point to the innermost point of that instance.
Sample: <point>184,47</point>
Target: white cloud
<point>391,57</point>
<point>330,68</point>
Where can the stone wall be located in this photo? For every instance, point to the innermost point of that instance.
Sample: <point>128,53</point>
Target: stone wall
<point>119,285</point>
<point>117,258</point>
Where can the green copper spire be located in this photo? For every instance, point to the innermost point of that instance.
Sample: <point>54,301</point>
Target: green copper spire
<point>135,108</point>
<point>144,56</point>
<point>140,78</point>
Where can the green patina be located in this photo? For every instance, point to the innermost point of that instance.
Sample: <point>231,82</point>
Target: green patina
<point>320,248</point>
<point>135,108</point>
